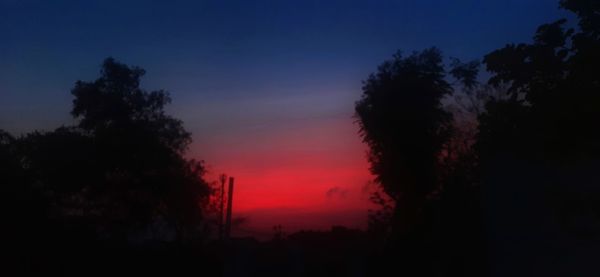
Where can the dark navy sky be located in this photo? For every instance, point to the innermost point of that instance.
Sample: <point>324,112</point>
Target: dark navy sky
<point>215,50</point>
<point>272,82</point>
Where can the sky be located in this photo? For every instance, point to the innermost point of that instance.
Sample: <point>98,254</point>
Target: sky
<point>266,87</point>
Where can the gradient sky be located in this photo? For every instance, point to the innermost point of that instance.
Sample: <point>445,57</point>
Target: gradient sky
<point>266,87</point>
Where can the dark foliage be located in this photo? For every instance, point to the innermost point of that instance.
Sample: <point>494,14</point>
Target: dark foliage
<point>538,147</point>
<point>118,178</point>
<point>474,178</point>
<point>402,121</point>
<point>416,157</point>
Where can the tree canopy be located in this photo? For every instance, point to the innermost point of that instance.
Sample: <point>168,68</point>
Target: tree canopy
<point>403,122</point>
<point>553,86</point>
<point>120,171</point>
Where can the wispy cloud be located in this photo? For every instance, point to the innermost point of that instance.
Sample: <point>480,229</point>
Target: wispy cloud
<point>336,192</point>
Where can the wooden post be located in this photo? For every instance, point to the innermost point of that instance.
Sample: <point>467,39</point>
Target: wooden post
<point>229,207</point>
<point>222,178</point>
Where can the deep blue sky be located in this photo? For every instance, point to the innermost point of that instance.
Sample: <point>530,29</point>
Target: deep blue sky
<point>266,87</point>
<point>209,52</point>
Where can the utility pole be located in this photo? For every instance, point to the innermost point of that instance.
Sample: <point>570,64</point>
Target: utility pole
<point>229,206</point>
<point>222,178</point>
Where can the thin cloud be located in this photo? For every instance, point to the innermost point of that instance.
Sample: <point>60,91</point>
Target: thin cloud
<point>336,192</point>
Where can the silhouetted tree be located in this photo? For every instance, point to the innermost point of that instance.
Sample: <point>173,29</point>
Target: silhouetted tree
<point>99,192</point>
<point>423,159</point>
<point>10,180</point>
<point>538,145</point>
<point>114,104</point>
<point>379,219</point>
<point>9,163</point>
<point>552,88</point>
<point>402,121</point>
<point>139,151</point>
<point>457,210</point>
<point>552,102</point>
<point>121,172</point>
<point>406,128</point>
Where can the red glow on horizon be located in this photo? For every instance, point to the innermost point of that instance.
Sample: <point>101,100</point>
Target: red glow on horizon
<point>307,177</point>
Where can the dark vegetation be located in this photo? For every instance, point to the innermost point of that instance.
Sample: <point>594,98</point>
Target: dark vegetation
<point>513,190</point>
<point>101,191</point>
<point>477,178</point>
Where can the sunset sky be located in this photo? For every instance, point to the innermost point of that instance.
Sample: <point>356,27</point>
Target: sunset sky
<point>266,87</point>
